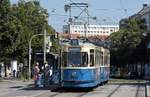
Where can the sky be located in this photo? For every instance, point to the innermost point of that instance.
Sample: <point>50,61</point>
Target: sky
<point>107,11</point>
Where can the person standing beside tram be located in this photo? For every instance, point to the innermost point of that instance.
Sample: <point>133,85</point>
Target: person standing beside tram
<point>48,73</point>
<point>36,73</point>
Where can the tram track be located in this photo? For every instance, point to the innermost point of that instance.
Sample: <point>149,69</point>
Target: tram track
<point>61,92</point>
<point>137,91</point>
<point>140,89</point>
<point>77,92</point>
<point>82,94</point>
<point>53,95</point>
<point>114,90</point>
<point>47,95</point>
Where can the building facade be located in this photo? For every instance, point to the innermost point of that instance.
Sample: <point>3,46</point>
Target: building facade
<point>143,14</point>
<point>83,30</point>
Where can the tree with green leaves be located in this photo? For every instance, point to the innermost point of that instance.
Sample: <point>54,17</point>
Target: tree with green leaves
<point>6,30</point>
<point>18,23</point>
<point>125,41</point>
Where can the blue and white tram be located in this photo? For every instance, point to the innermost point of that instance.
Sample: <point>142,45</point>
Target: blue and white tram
<point>84,64</point>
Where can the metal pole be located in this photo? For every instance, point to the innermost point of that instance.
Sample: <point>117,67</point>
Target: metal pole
<point>44,56</point>
<point>44,47</point>
<point>30,41</point>
<point>30,58</point>
<point>85,30</point>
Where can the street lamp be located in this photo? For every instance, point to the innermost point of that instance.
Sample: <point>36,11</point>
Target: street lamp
<point>30,53</point>
<point>30,50</point>
<point>44,47</point>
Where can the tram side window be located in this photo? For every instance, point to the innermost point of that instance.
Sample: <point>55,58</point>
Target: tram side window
<point>101,58</point>
<point>91,57</point>
<point>108,60</point>
<point>84,59</point>
<point>105,59</point>
<point>96,58</point>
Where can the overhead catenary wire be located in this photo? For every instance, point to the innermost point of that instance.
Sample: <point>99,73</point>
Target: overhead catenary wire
<point>121,9</point>
<point>124,9</point>
<point>102,19</point>
<point>117,9</point>
<point>83,10</point>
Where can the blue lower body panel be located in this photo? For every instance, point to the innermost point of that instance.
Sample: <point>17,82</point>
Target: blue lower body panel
<point>79,84</point>
<point>84,77</point>
<point>78,77</point>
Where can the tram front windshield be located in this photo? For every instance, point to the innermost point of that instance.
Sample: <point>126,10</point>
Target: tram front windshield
<point>75,59</point>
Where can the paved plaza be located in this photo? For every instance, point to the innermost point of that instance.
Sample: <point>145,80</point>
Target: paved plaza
<point>13,88</point>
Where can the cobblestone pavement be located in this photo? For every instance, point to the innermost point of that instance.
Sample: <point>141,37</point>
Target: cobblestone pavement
<point>26,89</point>
<point>13,88</point>
<point>109,90</point>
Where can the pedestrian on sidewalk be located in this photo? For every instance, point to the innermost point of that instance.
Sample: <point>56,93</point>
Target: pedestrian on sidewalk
<point>14,73</point>
<point>36,73</point>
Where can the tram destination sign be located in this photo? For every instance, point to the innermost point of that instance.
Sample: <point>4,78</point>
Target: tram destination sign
<point>74,49</point>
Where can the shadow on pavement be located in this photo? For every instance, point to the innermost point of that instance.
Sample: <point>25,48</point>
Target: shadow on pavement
<point>55,88</point>
<point>61,89</point>
<point>32,87</point>
<point>16,87</point>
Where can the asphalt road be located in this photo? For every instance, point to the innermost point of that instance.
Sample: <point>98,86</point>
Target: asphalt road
<point>112,89</point>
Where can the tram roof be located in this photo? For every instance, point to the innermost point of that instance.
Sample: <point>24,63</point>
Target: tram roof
<point>68,42</point>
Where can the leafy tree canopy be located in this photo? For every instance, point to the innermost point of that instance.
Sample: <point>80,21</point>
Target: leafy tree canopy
<point>18,23</point>
<point>125,41</point>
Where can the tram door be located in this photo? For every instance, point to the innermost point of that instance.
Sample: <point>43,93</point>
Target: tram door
<point>56,72</point>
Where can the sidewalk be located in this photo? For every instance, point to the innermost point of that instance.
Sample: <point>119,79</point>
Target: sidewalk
<point>12,78</point>
<point>16,82</point>
<point>19,88</point>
